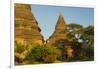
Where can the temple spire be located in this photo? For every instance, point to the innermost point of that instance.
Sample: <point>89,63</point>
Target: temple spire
<point>26,29</point>
<point>60,31</point>
<point>60,22</point>
<point>61,15</point>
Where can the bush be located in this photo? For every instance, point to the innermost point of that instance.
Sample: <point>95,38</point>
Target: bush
<point>36,54</point>
<point>53,54</point>
<point>20,47</point>
<point>43,54</point>
<point>87,54</point>
<point>19,53</point>
<point>50,58</point>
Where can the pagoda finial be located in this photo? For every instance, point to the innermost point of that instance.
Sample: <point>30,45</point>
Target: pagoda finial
<point>61,14</point>
<point>60,22</point>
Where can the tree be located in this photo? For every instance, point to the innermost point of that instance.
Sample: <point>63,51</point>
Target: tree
<point>83,41</point>
<point>74,33</point>
<point>88,43</point>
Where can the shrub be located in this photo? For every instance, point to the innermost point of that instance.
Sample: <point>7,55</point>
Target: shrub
<point>25,54</point>
<point>50,58</point>
<point>53,54</point>
<point>20,47</point>
<point>21,52</point>
<point>43,54</point>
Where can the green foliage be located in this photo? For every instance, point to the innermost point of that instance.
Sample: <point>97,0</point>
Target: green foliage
<point>43,54</point>
<point>74,26</point>
<point>20,47</point>
<point>86,54</point>
<point>88,42</point>
<point>84,49</point>
<point>35,54</point>
<point>50,58</point>
<point>89,30</point>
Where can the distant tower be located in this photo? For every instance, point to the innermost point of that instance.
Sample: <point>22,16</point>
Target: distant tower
<point>59,34</point>
<point>26,26</point>
<point>60,23</point>
<point>60,31</point>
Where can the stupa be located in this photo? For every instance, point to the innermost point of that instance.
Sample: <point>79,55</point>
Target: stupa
<point>26,29</point>
<point>60,31</point>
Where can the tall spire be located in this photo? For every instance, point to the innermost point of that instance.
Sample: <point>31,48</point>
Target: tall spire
<point>61,15</point>
<point>60,31</point>
<point>61,22</point>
